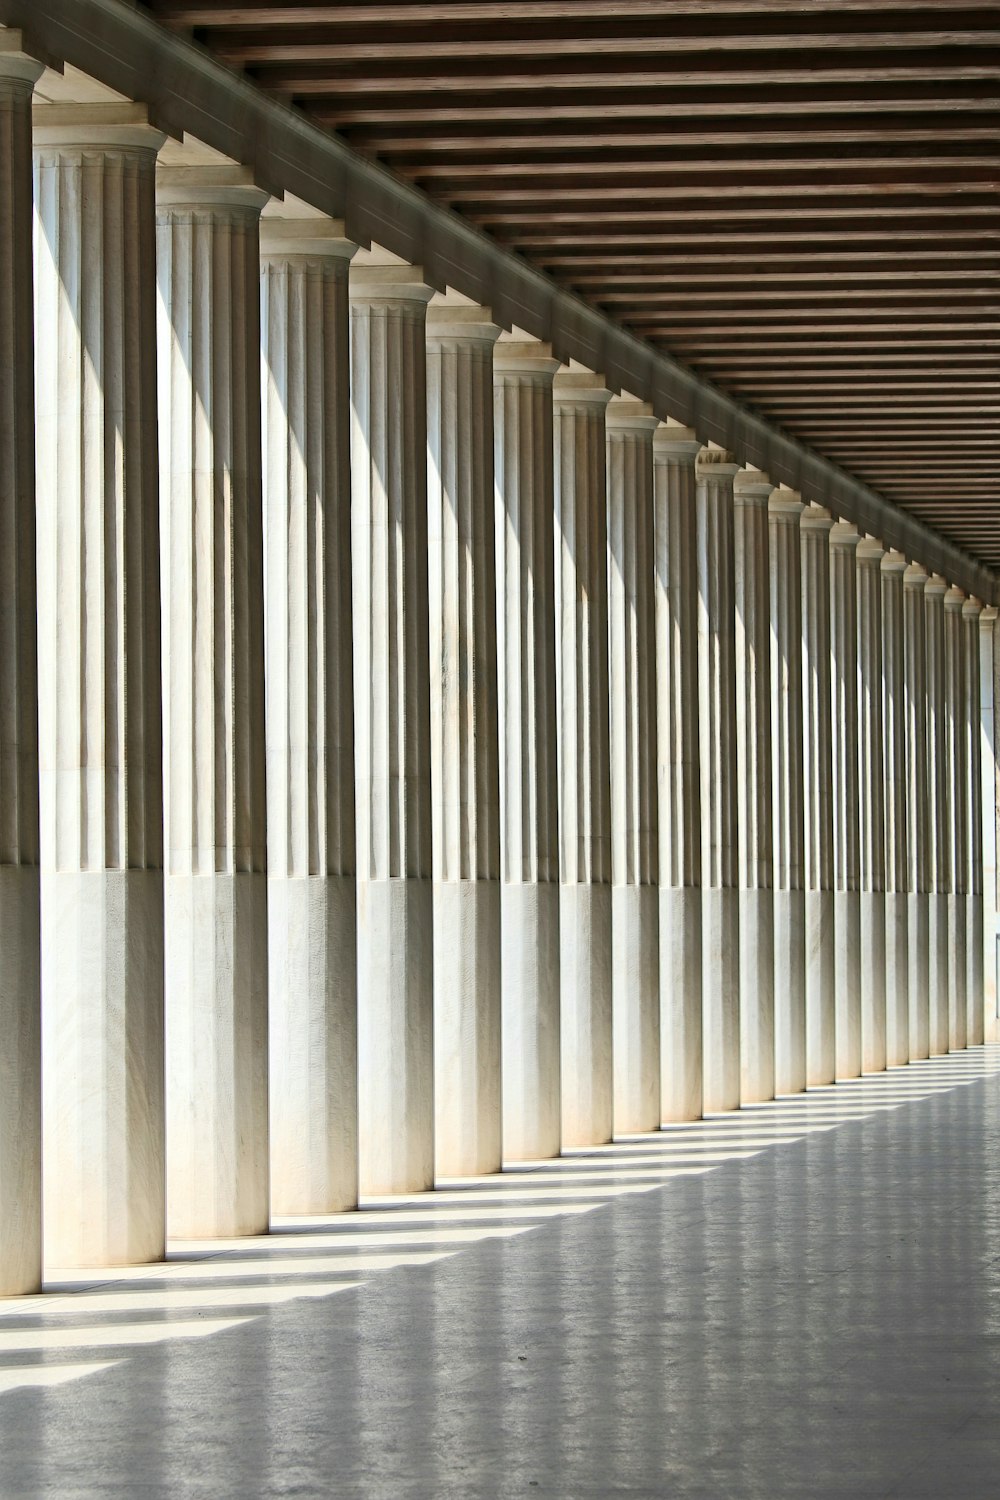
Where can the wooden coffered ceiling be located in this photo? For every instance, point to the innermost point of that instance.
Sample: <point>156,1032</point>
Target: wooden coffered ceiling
<point>798,198</point>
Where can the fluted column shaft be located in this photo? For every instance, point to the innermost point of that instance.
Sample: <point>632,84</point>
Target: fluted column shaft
<point>20,981</point>
<point>894,715</point>
<point>392,728</point>
<point>464,739</point>
<point>753,742</point>
<point>634,834</point>
<point>871,804</point>
<point>581,575</point>
<point>975,998</point>
<point>529,799</point>
<point>311,907</point>
<point>719,785</point>
<point>938,807</point>
<point>216,885</point>
<point>919,851</point>
<point>675,531</point>
<point>100,724</point>
<point>788,791</point>
<point>844,540</point>
<point>817,704</point>
<point>988,796</point>
<point>957,815</point>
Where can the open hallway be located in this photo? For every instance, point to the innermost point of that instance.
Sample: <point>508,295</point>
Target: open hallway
<point>801,1298</point>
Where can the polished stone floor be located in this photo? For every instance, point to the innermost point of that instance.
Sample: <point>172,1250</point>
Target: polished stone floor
<point>800,1300</point>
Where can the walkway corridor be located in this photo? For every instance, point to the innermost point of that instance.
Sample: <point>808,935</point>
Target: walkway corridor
<point>801,1299</point>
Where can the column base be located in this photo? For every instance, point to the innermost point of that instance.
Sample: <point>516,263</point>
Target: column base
<point>821,989</point>
<point>467,1028</point>
<point>586,1025</point>
<point>789,992</point>
<point>847,969</point>
<point>217,1150</point>
<point>102,1019</point>
<point>873,1000</point>
<point>756,996</point>
<point>938,1027</point>
<point>20,1083</point>
<point>897,980</point>
<point>918,973</point>
<point>395,1036</point>
<point>635,911</point>
<point>957,978</point>
<point>720,977</point>
<point>530,1031</point>
<point>313,1043</point>
<point>680,1004</point>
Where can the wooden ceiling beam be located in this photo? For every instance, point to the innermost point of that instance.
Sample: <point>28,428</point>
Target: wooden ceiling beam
<point>529,12</point>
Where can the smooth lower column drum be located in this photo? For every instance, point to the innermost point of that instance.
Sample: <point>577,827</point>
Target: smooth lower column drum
<point>817,704</point>
<point>675,451</point>
<point>919,848</point>
<point>871,804</point>
<point>529,800</point>
<point>844,540</point>
<point>392,727</point>
<point>464,738</point>
<point>720,918</point>
<point>216,885</point>
<point>894,717</point>
<point>99,679</point>
<point>634,834</point>
<point>581,575</point>
<point>788,791</point>
<point>311,900</point>
<point>974,984</point>
<point>753,740</point>
<point>938,811</point>
<point>956,810</point>
<point>20,977</point>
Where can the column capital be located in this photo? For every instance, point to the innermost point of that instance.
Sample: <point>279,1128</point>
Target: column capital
<point>111,127</point>
<point>514,356</point>
<point>972,608</point>
<point>626,414</point>
<point>208,187</point>
<point>845,535</point>
<point>915,576</point>
<point>786,505</point>
<point>717,463</point>
<point>816,518</point>
<point>374,277</point>
<point>16,66</point>
<point>317,238</point>
<point>579,387</point>
<point>751,486</point>
<point>935,587</point>
<point>870,550</point>
<point>893,562</point>
<point>465,322</point>
<point>954,600</point>
<point>988,616</point>
<point>675,444</point>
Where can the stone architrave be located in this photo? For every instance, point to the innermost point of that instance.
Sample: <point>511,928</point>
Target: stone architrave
<point>716,471</point>
<point>20,976</point>
<point>100,715</point>
<point>212,545</point>
<point>871,805</point>
<point>844,540</point>
<point>975,983</point>
<point>464,739</point>
<point>581,574</point>
<point>529,798</point>
<point>894,716</point>
<point>938,811</point>
<point>392,726</point>
<point>788,791</point>
<point>956,815</point>
<point>675,450</point>
<point>753,740</point>
<point>634,833</point>
<point>919,849</point>
<point>815,525</point>
<point>311,895</point>
<point>988,805</point>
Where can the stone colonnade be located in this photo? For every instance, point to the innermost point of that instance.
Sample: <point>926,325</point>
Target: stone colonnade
<point>429,757</point>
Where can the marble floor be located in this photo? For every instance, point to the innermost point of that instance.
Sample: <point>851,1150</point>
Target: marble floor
<point>798,1300</point>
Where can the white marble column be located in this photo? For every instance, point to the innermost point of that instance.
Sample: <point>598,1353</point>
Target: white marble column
<point>871,805</point>
<point>581,574</point>
<point>844,540</point>
<point>392,727</point>
<point>894,715</point>
<point>675,450</point>
<point>788,791</point>
<point>956,815</point>
<point>529,797</point>
<point>100,724</point>
<point>634,832</point>
<point>20,1002</point>
<point>464,739</point>
<point>720,971</point>
<point>974,1033</point>
<point>988,804</point>
<point>919,844</point>
<point>311,899</point>
<point>815,526</point>
<point>938,805</point>
<point>212,547</point>
<point>753,743</point>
